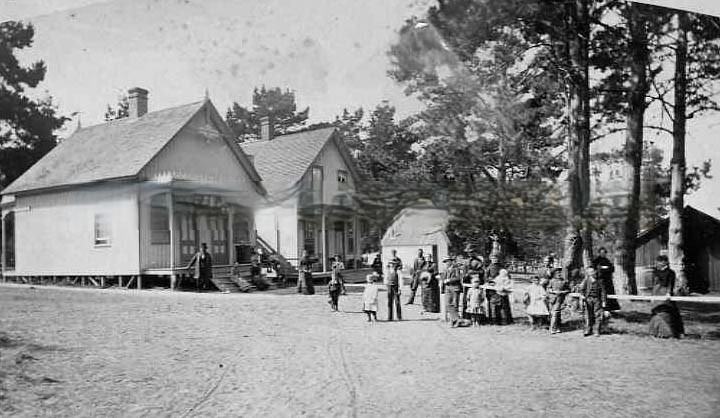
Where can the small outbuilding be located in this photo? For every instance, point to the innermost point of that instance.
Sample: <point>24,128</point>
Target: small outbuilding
<point>419,226</point>
<point>702,249</point>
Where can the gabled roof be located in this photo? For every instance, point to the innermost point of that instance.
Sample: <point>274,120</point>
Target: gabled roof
<point>283,161</point>
<point>662,225</point>
<point>417,224</point>
<point>111,151</point>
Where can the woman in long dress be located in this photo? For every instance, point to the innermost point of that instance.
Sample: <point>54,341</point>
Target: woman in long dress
<point>430,287</point>
<point>305,281</point>
<point>666,321</point>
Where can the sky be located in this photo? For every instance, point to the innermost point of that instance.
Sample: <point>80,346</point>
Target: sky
<point>332,53</point>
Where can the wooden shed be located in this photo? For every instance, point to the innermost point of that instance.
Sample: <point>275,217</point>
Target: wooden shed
<point>419,226</point>
<point>702,248</point>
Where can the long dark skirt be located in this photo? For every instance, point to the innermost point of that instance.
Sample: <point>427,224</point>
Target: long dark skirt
<point>431,296</point>
<point>612,304</point>
<point>305,283</point>
<point>666,321</point>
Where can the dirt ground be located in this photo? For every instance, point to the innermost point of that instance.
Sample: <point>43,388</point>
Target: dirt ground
<point>81,352</point>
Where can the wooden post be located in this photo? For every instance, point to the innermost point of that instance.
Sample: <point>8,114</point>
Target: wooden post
<point>171,223</point>
<point>139,282</point>
<point>102,281</point>
<point>2,245</point>
<point>323,238</point>
<point>356,238</point>
<point>120,281</point>
<point>230,237</point>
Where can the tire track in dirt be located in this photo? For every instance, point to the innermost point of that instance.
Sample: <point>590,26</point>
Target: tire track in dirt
<point>341,364</point>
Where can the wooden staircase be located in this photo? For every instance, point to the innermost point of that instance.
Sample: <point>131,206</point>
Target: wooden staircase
<point>284,265</point>
<point>224,277</point>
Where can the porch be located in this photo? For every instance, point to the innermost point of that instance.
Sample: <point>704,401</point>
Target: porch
<point>176,218</point>
<point>325,231</point>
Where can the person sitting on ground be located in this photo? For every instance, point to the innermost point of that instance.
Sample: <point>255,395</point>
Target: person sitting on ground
<point>666,321</point>
<point>370,296</point>
<point>558,288</point>
<point>593,293</point>
<point>534,301</point>
<point>475,302</point>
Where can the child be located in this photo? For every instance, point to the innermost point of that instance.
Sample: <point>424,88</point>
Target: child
<point>474,302</point>
<point>557,290</point>
<point>535,302</point>
<point>334,288</point>
<point>370,297</point>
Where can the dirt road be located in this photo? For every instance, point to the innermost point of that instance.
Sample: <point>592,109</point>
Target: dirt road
<point>69,352</point>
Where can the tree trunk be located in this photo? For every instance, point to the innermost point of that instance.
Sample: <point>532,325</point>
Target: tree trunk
<point>634,141</point>
<point>676,252</point>
<point>578,232</point>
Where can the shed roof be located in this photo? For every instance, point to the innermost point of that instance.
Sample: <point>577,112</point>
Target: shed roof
<point>112,150</point>
<point>662,226</point>
<point>417,225</point>
<point>283,161</point>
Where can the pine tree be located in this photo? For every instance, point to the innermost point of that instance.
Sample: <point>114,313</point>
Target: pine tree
<point>28,125</point>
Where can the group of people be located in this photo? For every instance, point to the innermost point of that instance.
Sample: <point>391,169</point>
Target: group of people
<point>477,293</point>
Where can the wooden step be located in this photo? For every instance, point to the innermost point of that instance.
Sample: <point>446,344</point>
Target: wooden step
<point>225,284</point>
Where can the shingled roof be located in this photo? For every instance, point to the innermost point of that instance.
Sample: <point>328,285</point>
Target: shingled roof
<point>113,150</point>
<point>282,161</point>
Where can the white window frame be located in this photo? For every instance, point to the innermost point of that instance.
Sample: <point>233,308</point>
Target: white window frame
<point>106,239</point>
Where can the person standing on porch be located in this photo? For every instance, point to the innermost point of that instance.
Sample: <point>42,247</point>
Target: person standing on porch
<point>418,266</point>
<point>202,260</point>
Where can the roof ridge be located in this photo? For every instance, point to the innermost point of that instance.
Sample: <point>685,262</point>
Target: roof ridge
<point>128,119</point>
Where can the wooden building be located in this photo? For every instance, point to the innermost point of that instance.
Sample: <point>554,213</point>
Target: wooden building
<point>419,226</point>
<point>310,177</point>
<point>702,249</point>
<point>133,197</point>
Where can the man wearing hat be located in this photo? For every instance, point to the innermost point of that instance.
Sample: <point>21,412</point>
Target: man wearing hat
<point>392,282</point>
<point>453,289</point>
<point>417,267</point>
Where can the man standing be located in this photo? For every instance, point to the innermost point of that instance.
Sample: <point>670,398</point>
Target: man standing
<point>593,292</point>
<point>453,290</point>
<point>417,267</point>
<point>392,282</point>
<point>605,270</point>
<point>203,267</point>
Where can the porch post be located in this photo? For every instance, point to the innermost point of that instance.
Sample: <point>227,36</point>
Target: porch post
<point>171,223</point>
<point>3,250</point>
<point>356,238</point>
<point>323,238</point>
<point>231,239</point>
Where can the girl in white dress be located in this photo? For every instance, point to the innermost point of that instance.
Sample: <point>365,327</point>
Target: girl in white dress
<point>370,297</point>
<point>535,305</point>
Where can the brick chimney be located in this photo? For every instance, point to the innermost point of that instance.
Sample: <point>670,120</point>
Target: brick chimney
<point>266,129</point>
<point>138,98</point>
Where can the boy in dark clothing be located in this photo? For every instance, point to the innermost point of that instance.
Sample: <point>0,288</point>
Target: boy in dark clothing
<point>593,292</point>
<point>557,289</point>
<point>392,282</point>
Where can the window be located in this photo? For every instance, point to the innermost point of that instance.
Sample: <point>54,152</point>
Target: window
<point>102,229</point>
<point>159,219</point>
<point>317,182</point>
<point>342,178</point>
